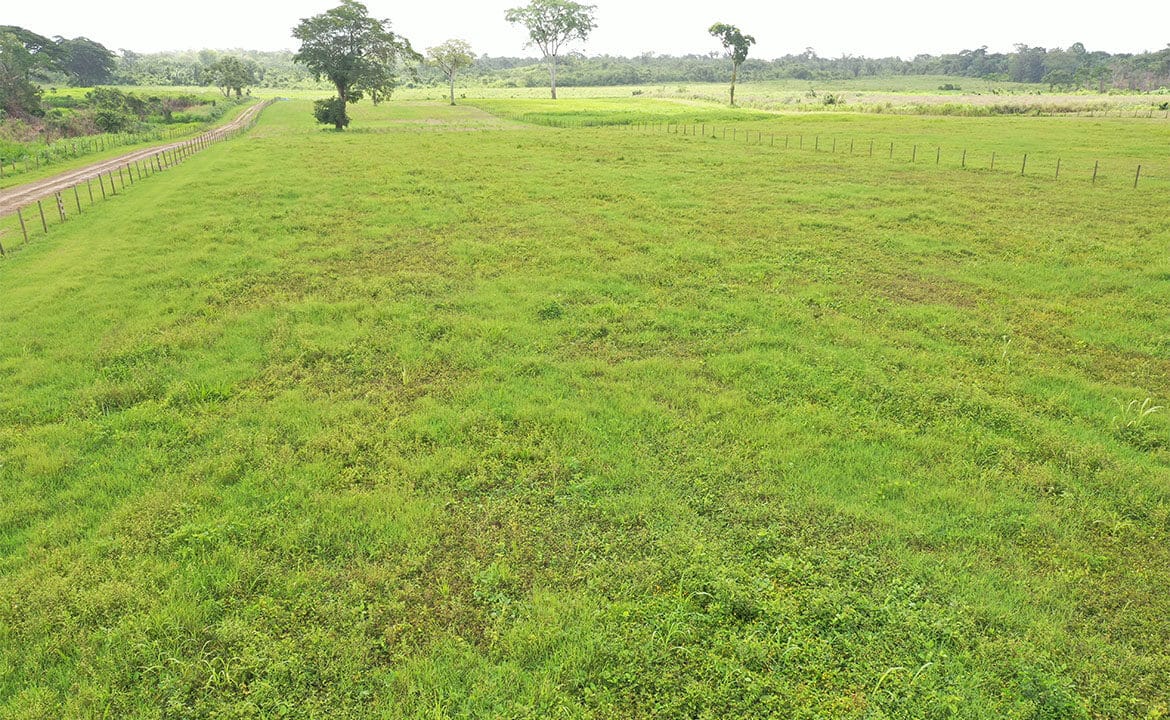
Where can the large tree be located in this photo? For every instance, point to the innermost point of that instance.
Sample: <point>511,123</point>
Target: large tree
<point>357,53</point>
<point>736,45</point>
<point>451,57</point>
<point>230,73</point>
<point>24,57</point>
<point>552,24</point>
<point>87,63</point>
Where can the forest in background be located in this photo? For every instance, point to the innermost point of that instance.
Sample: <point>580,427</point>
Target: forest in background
<point>1072,68</point>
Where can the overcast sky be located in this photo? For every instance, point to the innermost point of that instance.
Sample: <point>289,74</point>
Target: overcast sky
<point>626,27</point>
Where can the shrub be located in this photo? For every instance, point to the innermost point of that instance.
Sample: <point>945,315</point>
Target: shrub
<point>331,112</point>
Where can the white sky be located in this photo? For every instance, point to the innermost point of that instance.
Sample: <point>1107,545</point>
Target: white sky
<point>626,27</point>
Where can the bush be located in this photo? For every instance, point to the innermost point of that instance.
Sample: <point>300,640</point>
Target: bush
<point>331,112</point>
<point>114,121</point>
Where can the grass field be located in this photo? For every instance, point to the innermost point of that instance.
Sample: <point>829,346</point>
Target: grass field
<point>454,415</point>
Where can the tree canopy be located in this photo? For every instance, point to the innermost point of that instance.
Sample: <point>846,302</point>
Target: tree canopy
<point>230,73</point>
<point>551,25</point>
<point>736,45</point>
<point>19,97</point>
<point>357,53</point>
<point>451,57</point>
<point>87,63</point>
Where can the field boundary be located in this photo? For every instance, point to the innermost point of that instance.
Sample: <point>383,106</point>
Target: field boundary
<point>130,169</point>
<point>931,154</point>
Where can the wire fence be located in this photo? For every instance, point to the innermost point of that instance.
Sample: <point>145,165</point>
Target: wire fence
<point>27,161</point>
<point>59,199</point>
<point>1105,171</point>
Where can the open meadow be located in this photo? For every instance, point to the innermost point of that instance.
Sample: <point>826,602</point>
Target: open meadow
<point>464,414</point>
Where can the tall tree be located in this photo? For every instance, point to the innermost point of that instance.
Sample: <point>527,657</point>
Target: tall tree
<point>736,45</point>
<point>552,24</point>
<point>451,57</point>
<point>230,74</point>
<point>87,63</point>
<point>355,52</point>
<point>24,58</point>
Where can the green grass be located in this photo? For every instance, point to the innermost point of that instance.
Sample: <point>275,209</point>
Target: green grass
<point>456,416</point>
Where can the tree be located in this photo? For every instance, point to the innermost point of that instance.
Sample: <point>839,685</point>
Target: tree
<point>355,52</point>
<point>736,45</point>
<point>551,25</point>
<point>19,64</point>
<point>231,74</point>
<point>87,63</point>
<point>451,57</point>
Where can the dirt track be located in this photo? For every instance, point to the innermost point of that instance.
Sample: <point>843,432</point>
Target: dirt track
<point>22,195</point>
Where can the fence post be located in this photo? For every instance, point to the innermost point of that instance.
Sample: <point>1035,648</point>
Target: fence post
<point>871,148</point>
<point>60,207</point>
<point>1096,164</point>
<point>1024,166</point>
<point>44,225</point>
<point>1137,177</point>
<point>964,157</point>
<point>891,151</point>
<point>992,161</point>
<point>1057,168</point>
<point>77,199</point>
<point>23,228</point>
<point>128,172</point>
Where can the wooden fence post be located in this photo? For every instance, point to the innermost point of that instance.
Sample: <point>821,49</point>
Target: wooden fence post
<point>1057,168</point>
<point>1137,177</point>
<point>1096,164</point>
<point>44,225</point>
<point>77,199</point>
<point>23,227</point>
<point>992,161</point>
<point>1024,166</point>
<point>964,157</point>
<point>60,207</point>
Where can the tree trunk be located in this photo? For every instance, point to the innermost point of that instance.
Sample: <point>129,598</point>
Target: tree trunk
<point>452,88</point>
<point>343,96</point>
<point>734,75</point>
<point>552,73</point>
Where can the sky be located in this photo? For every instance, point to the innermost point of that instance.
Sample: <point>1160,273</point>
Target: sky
<point>902,28</point>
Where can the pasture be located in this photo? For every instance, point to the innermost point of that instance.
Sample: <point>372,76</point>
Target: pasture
<point>460,414</point>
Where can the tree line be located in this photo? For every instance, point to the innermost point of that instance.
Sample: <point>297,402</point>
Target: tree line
<point>556,28</point>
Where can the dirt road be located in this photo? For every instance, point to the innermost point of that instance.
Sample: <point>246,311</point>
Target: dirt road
<point>23,195</point>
